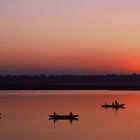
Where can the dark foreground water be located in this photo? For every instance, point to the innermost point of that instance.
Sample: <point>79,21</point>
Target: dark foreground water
<point>25,115</point>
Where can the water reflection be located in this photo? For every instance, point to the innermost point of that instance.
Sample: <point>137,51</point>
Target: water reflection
<point>27,116</point>
<point>114,108</point>
<point>64,119</point>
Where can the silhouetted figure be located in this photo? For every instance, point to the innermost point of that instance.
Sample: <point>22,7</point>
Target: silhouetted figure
<point>113,104</point>
<point>116,103</point>
<point>71,114</point>
<point>54,114</point>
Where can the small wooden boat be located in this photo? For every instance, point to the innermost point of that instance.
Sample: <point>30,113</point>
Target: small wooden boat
<point>63,117</point>
<point>113,105</point>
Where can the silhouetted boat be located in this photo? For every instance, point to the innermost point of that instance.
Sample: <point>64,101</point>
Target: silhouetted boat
<point>64,117</point>
<point>113,105</point>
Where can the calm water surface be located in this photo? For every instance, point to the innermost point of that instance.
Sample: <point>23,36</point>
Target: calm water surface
<point>25,115</point>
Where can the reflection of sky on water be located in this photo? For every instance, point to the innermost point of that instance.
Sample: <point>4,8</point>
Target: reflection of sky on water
<point>26,117</point>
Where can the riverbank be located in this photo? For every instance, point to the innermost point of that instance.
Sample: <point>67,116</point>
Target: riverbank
<point>70,82</point>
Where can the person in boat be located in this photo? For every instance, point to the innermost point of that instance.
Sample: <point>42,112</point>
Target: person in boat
<point>116,103</point>
<point>113,104</point>
<point>54,114</point>
<point>71,114</point>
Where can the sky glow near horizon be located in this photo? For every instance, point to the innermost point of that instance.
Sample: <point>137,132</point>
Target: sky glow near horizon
<point>69,36</point>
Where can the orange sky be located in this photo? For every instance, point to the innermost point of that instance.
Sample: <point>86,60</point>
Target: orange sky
<point>68,36</point>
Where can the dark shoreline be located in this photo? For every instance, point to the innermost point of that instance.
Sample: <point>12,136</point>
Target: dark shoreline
<point>113,89</point>
<point>72,89</point>
<point>70,82</point>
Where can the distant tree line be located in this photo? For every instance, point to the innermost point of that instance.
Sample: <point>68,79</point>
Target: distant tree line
<point>41,81</point>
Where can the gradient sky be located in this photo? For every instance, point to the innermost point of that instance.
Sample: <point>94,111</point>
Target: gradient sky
<point>69,36</point>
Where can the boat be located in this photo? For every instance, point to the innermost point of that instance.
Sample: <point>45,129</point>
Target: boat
<point>113,105</point>
<point>63,117</point>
